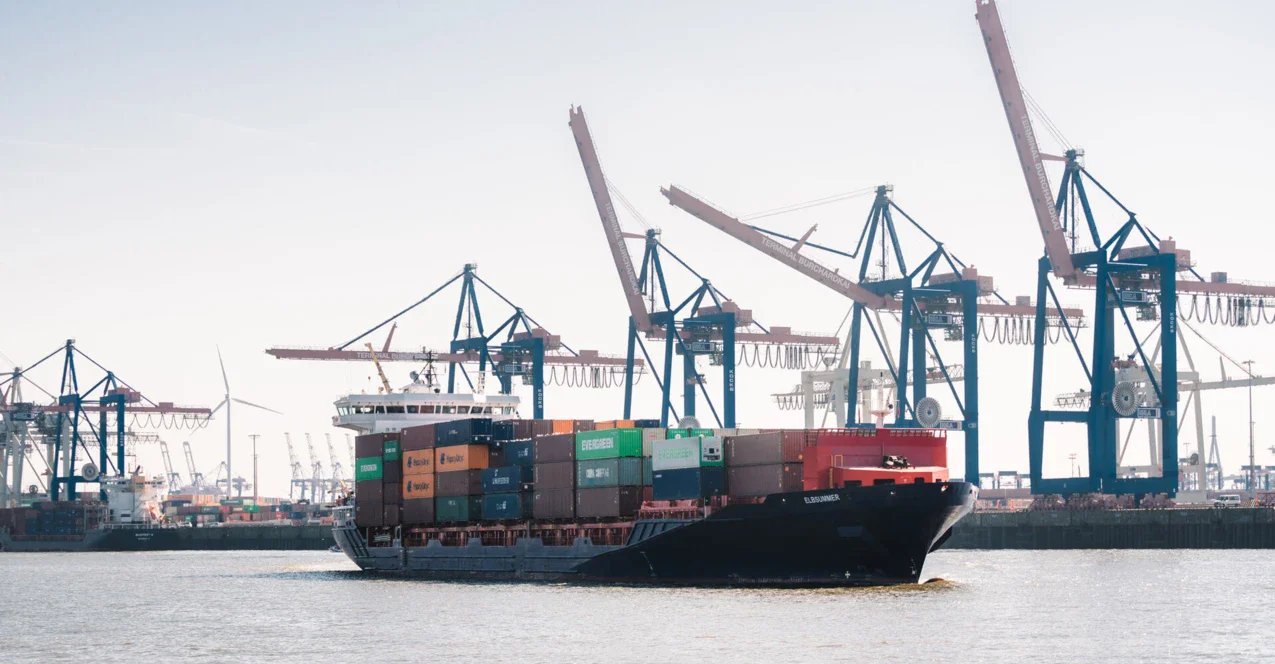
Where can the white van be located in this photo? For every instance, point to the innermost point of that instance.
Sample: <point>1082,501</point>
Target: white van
<point>1228,500</point>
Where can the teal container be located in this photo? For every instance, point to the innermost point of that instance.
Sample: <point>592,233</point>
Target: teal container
<point>368,468</point>
<point>458,508</point>
<point>608,444</point>
<point>604,473</point>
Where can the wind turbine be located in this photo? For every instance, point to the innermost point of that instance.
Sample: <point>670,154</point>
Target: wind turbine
<point>226,402</point>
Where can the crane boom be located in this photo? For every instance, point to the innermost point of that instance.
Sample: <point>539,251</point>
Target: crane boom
<point>784,254</point>
<point>385,382</point>
<point>610,223</point>
<point>1020,126</point>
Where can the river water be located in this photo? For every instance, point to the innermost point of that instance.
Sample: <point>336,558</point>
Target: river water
<point>1004,606</point>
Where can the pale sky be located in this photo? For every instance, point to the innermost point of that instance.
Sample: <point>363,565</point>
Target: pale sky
<point>177,176</point>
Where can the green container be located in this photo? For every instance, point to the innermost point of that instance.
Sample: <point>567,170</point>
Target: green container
<point>608,444</point>
<point>604,473</point>
<point>687,433</point>
<point>252,509</point>
<point>391,451</point>
<point>458,508</point>
<point>367,468</point>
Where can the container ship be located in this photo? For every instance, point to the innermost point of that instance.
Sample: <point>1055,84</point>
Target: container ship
<point>630,502</point>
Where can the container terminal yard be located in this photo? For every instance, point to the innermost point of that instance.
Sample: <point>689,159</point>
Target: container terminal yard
<point>1125,306</point>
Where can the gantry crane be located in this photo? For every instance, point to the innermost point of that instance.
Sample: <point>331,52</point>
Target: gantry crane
<point>711,324</point>
<point>298,482</point>
<point>518,348</point>
<point>338,471</point>
<point>196,477</point>
<point>1130,270</point>
<point>171,476</point>
<point>316,473</point>
<point>937,293</point>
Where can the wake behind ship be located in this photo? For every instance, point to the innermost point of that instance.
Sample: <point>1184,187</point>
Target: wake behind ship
<point>630,502</point>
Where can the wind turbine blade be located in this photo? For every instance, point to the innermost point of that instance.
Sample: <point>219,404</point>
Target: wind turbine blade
<point>247,403</point>
<point>217,408</point>
<point>224,380</point>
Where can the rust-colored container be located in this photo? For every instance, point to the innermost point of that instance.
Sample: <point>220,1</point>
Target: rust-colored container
<point>418,510</point>
<point>416,487</point>
<point>368,445</point>
<point>393,515</point>
<point>459,483</point>
<point>752,481</point>
<point>540,428</point>
<point>555,475</point>
<point>525,429</point>
<point>460,457</point>
<point>609,502</point>
<point>418,437</point>
<point>553,504</point>
<point>392,494</point>
<point>369,514</point>
<point>556,448</point>
<point>765,448</point>
<point>582,425</point>
<point>418,462</point>
<point>563,426</point>
<point>369,491</point>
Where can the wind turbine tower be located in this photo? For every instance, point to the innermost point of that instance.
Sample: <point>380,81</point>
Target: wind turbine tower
<point>225,402</point>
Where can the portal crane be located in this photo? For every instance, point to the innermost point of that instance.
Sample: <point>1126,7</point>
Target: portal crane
<point>196,477</point>
<point>299,482</point>
<point>173,477</point>
<point>1132,269</point>
<point>316,473</point>
<point>385,382</point>
<point>712,325</point>
<point>338,472</point>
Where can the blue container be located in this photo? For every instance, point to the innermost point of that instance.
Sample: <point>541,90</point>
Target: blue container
<point>520,452</point>
<point>688,483</point>
<point>646,424</point>
<point>503,430</point>
<point>507,478</point>
<point>473,431</point>
<point>647,472</point>
<point>506,506</point>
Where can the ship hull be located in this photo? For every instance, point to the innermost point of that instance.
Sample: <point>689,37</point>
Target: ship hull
<point>260,538</point>
<point>861,536</point>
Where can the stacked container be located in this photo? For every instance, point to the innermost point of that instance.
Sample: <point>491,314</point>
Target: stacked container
<point>554,476</point>
<point>689,468</point>
<point>418,474</point>
<point>459,481</point>
<point>765,463</point>
<point>608,472</point>
<point>369,479</point>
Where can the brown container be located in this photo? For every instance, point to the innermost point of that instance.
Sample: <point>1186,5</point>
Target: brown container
<point>418,510</point>
<point>416,487</point>
<point>496,455</point>
<point>751,481</point>
<point>392,472</point>
<point>393,515</point>
<point>369,445</point>
<point>369,514</point>
<point>392,494</point>
<point>460,457</point>
<point>556,448</point>
<point>540,427</point>
<point>582,425</point>
<point>459,483</point>
<point>555,475</point>
<point>524,429</point>
<point>369,492</point>
<point>613,501</point>
<point>418,438</point>
<point>765,448</point>
<point>418,462</point>
<point>553,504</point>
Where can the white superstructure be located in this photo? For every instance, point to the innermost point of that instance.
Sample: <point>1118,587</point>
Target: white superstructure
<point>418,403</point>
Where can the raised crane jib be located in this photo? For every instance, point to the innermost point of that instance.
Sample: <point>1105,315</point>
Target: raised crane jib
<point>1020,126</point>
<point>610,223</point>
<point>781,252</point>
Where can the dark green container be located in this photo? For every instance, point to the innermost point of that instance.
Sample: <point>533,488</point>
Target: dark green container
<point>368,468</point>
<point>392,450</point>
<point>608,444</point>
<point>458,508</point>
<point>602,473</point>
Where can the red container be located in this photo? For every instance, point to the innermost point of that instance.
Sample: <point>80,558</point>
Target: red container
<point>556,448</point>
<point>609,502</point>
<point>369,445</point>
<point>553,504</point>
<point>459,483</point>
<point>865,448</point>
<point>764,449</point>
<point>555,475</point>
<point>418,511</point>
<point>418,438</point>
<point>750,481</point>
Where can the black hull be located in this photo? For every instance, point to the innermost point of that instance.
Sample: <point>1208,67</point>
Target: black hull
<point>858,536</point>
<point>232,538</point>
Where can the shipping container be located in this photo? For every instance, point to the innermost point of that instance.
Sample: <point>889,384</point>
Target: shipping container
<point>507,506</point>
<point>459,483</point>
<point>611,502</point>
<point>503,430</point>
<point>393,451</point>
<point>369,445</point>
<point>553,504</point>
<point>392,515</point>
<point>608,444</point>
<point>449,509</point>
<point>578,426</point>
<point>525,430</point>
<point>416,487</point>
<point>392,472</point>
<point>555,475</point>
<point>496,454</point>
<point>564,426</point>
<point>614,424</point>
<point>520,453</point>
<point>418,462</point>
<point>507,478</point>
<point>540,428</point>
<point>647,471</point>
<point>692,452</point>
<point>555,448</point>
<point>687,433</point>
<point>649,436</point>
<point>765,448</point>
<point>369,514</point>
<point>646,424</point>
<point>460,457</point>
<point>392,494</point>
<point>418,438</point>
<point>602,473</point>
<point>463,432</point>
<point>418,510</point>
<point>753,481</point>
<point>368,468</point>
<point>688,483</point>
<point>369,491</point>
